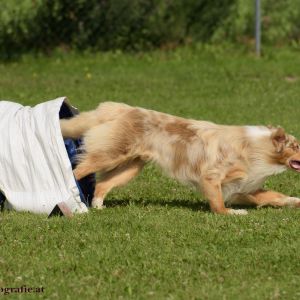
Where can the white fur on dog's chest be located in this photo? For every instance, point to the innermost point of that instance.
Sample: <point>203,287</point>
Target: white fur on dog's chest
<point>255,180</point>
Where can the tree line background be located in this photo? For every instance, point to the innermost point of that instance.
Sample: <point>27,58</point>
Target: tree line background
<point>138,25</point>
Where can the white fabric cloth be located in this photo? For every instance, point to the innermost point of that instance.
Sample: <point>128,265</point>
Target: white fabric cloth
<point>36,172</point>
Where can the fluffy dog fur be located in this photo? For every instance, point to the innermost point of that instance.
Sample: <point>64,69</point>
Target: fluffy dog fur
<point>228,164</point>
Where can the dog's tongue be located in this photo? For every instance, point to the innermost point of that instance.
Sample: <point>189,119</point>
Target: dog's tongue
<point>295,164</point>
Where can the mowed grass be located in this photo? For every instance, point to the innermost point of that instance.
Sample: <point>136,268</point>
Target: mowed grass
<point>157,239</point>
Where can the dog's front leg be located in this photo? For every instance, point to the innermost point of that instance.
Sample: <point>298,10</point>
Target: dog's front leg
<point>271,198</point>
<point>212,191</point>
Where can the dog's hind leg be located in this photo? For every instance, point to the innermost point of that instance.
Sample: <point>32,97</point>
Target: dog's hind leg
<point>106,147</point>
<point>100,162</point>
<point>88,165</point>
<point>117,177</point>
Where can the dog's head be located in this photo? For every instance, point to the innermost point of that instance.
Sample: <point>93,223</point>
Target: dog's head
<point>287,149</point>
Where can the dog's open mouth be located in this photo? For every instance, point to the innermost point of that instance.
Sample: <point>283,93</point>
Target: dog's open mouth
<point>295,164</point>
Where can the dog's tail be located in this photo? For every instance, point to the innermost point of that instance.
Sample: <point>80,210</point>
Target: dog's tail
<point>105,112</point>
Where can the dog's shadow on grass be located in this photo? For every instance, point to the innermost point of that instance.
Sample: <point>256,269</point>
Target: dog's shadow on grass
<point>195,206</point>
<point>192,205</point>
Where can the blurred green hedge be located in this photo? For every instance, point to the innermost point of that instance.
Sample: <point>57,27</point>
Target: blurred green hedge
<point>34,25</point>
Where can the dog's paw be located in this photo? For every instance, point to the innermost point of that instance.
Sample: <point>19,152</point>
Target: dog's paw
<point>97,203</point>
<point>292,202</point>
<point>241,212</point>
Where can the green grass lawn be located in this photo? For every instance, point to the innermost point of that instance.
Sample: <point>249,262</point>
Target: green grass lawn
<point>157,239</point>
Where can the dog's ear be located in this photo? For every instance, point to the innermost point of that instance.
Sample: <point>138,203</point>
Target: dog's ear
<point>279,139</point>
